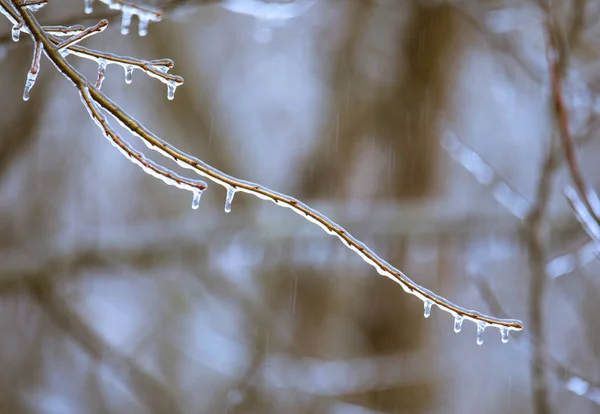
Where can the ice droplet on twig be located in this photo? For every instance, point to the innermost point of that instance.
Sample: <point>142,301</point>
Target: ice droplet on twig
<point>101,71</point>
<point>16,31</point>
<point>480,330</point>
<point>125,20</point>
<point>504,334</point>
<point>128,74</point>
<point>229,199</point>
<point>196,199</point>
<point>88,6</point>
<point>171,86</point>
<point>31,77</point>
<point>458,321</point>
<point>427,304</point>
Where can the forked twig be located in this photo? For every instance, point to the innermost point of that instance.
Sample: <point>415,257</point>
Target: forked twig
<point>94,99</point>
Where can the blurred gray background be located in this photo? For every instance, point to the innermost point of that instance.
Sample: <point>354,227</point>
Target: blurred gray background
<point>422,127</point>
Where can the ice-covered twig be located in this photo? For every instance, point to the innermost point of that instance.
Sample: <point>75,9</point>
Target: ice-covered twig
<point>156,69</point>
<point>63,30</point>
<point>128,9</point>
<point>196,187</point>
<point>34,71</point>
<point>90,31</point>
<point>482,172</point>
<point>233,185</point>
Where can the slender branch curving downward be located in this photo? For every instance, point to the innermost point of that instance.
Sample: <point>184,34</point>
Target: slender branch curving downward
<point>95,101</point>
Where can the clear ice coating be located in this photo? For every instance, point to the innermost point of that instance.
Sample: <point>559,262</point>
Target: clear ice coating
<point>196,199</point>
<point>171,86</point>
<point>128,74</point>
<point>142,25</point>
<point>504,334</point>
<point>88,6</point>
<point>16,31</point>
<point>458,322</point>
<point>427,305</point>
<point>229,199</point>
<point>31,77</point>
<point>101,71</point>
<point>125,20</point>
<point>480,330</point>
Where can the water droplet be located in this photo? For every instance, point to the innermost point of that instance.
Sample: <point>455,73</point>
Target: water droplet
<point>229,199</point>
<point>196,199</point>
<point>458,321</point>
<point>16,31</point>
<point>128,74</point>
<point>480,329</point>
<point>171,86</point>
<point>125,20</point>
<point>504,334</point>
<point>427,305</point>
<point>88,6</point>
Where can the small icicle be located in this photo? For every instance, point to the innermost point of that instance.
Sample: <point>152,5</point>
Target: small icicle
<point>16,31</point>
<point>171,86</point>
<point>31,77</point>
<point>142,25</point>
<point>229,199</point>
<point>504,334</point>
<point>128,74</point>
<point>427,305</point>
<point>196,199</point>
<point>458,321</point>
<point>480,328</point>
<point>88,6</point>
<point>125,20</point>
<point>101,72</point>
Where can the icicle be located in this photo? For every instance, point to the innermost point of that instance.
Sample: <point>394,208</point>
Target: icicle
<point>88,6</point>
<point>31,77</point>
<point>16,31</point>
<point>171,86</point>
<point>143,24</point>
<point>480,328</point>
<point>125,20</point>
<point>128,74</point>
<point>196,199</point>
<point>101,71</point>
<point>504,333</point>
<point>229,199</point>
<point>458,321</point>
<point>427,305</point>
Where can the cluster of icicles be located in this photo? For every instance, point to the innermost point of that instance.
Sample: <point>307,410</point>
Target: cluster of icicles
<point>155,68</point>
<point>458,323</point>
<point>144,14</point>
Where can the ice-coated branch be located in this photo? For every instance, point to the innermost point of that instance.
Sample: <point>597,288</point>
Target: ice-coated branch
<point>149,166</point>
<point>145,14</point>
<point>94,99</point>
<point>84,34</point>
<point>156,69</point>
